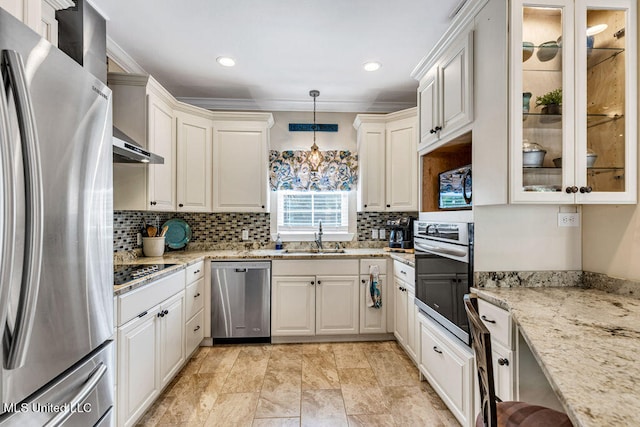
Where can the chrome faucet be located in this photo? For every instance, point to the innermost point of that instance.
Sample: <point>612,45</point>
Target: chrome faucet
<point>318,236</point>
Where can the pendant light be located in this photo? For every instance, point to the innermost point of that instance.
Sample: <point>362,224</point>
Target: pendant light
<point>315,157</point>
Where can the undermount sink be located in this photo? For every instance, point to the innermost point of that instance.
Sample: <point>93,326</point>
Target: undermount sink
<point>314,251</point>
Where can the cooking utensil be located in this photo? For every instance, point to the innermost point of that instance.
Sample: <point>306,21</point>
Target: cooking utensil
<point>164,230</point>
<point>151,231</point>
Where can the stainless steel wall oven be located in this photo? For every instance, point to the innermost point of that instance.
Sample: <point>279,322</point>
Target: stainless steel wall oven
<point>444,272</point>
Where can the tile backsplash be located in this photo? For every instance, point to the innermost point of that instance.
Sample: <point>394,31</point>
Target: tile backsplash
<point>217,228</point>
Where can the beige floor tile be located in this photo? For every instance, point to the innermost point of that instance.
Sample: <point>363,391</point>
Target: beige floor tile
<point>246,375</point>
<point>359,400</point>
<point>219,360</point>
<point>317,348</point>
<point>390,369</point>
<point>276,422</point>
<point>411,406</point>
<point>319,372</point>
<point>351,359</point>
<point>378,420</point>
<point>236,409</point>
<point>282,380</point>
<point>288,363</point>
<point>377,346</point>
<point>155,413</point>
<point>357,377</point>
<point>279,404</point>
<point>323,407</point>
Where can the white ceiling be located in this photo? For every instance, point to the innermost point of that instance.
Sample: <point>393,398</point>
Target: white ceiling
<point>283,48</point>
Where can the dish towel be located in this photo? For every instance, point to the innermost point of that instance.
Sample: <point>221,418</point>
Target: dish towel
<point>374,287</point>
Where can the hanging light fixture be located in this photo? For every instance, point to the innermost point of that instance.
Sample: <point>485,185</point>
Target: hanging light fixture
<point>315,157</point>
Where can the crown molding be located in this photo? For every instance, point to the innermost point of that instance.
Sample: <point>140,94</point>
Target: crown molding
<point>235,104</point>
<point>382,119</point>
<point>122,58</point>
<point>60,4</point>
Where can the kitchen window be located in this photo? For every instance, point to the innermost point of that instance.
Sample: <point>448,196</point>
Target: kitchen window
<point>299,212</point>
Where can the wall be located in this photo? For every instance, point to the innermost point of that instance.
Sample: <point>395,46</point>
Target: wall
<point>524,238</point>
<point>611,236</point>
<point>281,139</point>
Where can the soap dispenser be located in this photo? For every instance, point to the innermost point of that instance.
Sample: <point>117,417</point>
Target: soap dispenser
<point>278,243</point>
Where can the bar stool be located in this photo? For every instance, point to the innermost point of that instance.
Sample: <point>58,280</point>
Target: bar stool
<point>493,411</point>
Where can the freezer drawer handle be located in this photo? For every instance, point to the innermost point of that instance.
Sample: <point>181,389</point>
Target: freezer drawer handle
<point>241,270</point>
<point>88,387</point>
<point>18,339</point>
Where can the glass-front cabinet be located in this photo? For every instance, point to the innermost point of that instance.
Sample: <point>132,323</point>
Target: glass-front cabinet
<point>573,101</point>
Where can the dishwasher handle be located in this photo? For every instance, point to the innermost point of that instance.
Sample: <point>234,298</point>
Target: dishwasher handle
<point>241,270</point>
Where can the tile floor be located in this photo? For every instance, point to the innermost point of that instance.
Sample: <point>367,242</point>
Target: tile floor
<point>333,384</point>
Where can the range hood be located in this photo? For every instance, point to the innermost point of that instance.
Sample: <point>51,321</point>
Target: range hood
<point>126,150</point>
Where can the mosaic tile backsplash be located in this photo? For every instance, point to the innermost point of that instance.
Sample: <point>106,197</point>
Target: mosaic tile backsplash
<point>218,228</point>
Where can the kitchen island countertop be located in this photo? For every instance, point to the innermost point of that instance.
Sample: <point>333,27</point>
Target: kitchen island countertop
<point>183,259</point>
<point>587,343</point>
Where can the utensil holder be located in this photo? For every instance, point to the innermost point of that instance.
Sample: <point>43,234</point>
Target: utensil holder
<point>153,246</point>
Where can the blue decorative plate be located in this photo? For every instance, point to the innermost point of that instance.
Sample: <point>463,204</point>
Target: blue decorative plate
<point>178,234</point>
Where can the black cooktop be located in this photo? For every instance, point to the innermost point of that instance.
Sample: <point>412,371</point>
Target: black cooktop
<point>126,273</point>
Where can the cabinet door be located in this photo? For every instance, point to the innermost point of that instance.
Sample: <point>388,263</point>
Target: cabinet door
<point>337,302</point>
<point>429,107</point>
<point>373,320</point>
<point>28,11</point>
<point>456,86</point>
<point>542,71</point>
<point>293,301</point>
<point>193,179</point>
<point>194,330</point>
<point>371,168</point>
<point>402,166</point>
<point>162,141</point>
<point>138,382</point>
<point>171,337</point>
<point>606,71</point>
<point>413,328</point>
<point>400,312</point>
<point>503,371</point>
<point>240,167</point>
<point>194,298</point>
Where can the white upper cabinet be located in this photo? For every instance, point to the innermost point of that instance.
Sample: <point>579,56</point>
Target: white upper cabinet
<point>240,163</point>
<point>194,163</point>
<point>572,89</point>
<point>387,161</point>
<point>28,11</point>
<point>161,141</point>
<point>445,94</point>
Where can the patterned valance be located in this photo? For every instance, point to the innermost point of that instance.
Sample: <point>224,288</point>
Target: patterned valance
<point>290,170</point>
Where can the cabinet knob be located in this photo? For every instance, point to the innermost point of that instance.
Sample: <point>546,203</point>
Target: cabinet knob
<point>365,206</point>
<point>153,203</point>
<point>180,205</point>
<point>432,131</point>
<point>503,362</point>
<point>586,190</point>
<point>197,295</point>
<point>363,281</point>
<point>483,317</point>
<point>437,350</point>
<point>388,206</point>
<point>313,283</point>
<point>438,128</point>
<point>262,206</point>
<point>166,312</point>
<point>570,190</point>
<point>196,272</point>
<point>161,314</point>
<point>319,282</point>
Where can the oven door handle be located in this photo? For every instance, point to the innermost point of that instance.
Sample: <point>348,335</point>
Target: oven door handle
<point>439,249</point>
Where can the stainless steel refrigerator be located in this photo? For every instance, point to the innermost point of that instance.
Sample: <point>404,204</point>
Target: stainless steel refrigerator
<point>56,227</point>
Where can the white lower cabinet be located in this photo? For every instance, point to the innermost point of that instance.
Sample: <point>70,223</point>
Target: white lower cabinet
<point>194,331</point>
<point>406,331</point>
<point>449,367</point>
<point>293,305</point>
<point>373,320</point>
<point>337,305</point>
<point>400,296</point>
<point>171,337</point>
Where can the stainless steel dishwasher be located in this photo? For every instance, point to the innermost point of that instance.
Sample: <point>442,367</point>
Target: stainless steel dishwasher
<point>241,301</point>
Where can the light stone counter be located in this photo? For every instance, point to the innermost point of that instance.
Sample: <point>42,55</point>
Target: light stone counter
<point>183,259</point>
<point>587,343</point>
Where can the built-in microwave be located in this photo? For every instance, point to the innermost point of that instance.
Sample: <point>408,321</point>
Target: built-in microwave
<point>455,188</point>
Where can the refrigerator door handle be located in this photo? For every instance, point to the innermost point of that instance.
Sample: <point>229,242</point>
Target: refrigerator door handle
<point>73,405</point>
<point>19,339</point>
<point>8,223</point>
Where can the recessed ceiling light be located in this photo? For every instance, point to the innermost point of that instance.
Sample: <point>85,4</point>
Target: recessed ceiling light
<point>372,66</point>
<point>596,29</point>
<point>225,61</point>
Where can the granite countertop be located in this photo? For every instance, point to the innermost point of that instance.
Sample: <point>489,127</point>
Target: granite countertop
<point>183,259</point>
<point>587,342</point>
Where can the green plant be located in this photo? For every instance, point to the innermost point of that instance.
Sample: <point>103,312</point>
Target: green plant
<point>550,98</point>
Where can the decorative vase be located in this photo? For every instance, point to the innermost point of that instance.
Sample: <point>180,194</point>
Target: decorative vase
<point>526,98</point>
<point>553,109</point>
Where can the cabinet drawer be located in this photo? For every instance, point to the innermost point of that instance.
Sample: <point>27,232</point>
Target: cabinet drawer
<point>194,297</point>
<point>503,372</point>
<point>135,302</point>
<point>404,272</point>
<point>195,272</point>
<point>315,267</point>
<point>498,321</point>
<point>195,331</point>
<point>365,263</point>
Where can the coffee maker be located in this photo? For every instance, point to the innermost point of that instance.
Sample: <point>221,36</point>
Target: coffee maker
<point>401,232</point>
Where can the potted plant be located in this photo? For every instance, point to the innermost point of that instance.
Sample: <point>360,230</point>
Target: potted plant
<point>550,102</point>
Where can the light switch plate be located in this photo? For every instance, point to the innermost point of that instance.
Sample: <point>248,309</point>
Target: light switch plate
<point>568,219</point>
<point>382,233</point>
<point>374,233</point>
<point>139,239</point>
<point>245,234</point>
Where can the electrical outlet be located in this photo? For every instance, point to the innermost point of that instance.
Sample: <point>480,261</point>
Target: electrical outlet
<point>382,233</point>
<point>245,234</point>
<point>139,239</point>
<point>374,233</point>
<point>568,219</point>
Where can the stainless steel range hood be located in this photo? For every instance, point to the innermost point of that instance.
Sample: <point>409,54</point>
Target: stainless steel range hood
<point>126,150</point>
